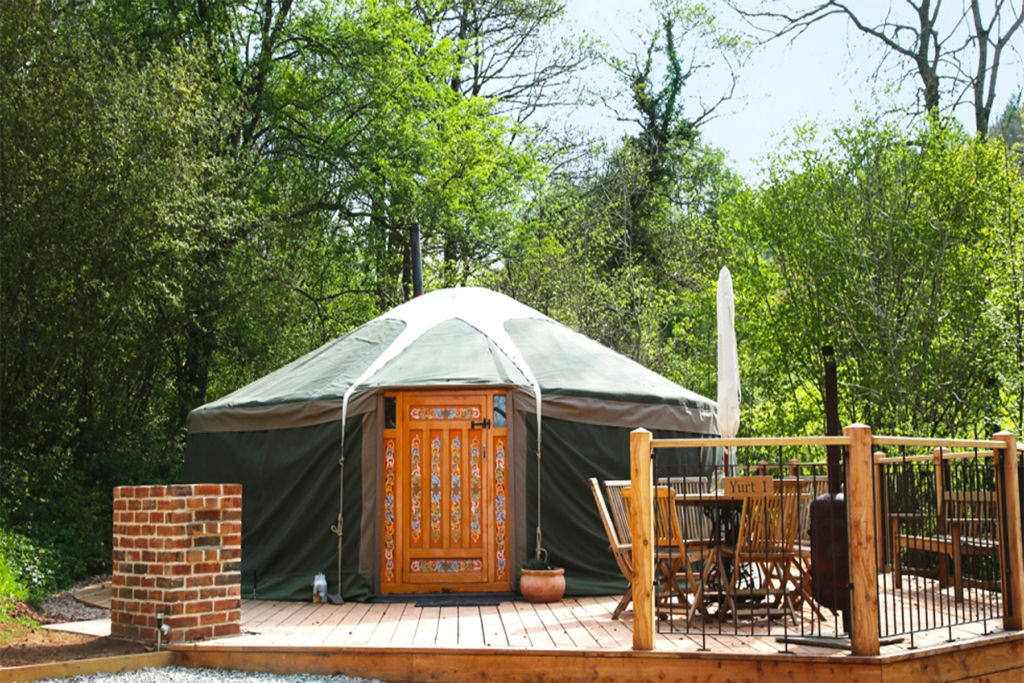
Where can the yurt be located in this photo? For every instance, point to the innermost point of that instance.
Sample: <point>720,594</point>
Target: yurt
<point>434,449</point>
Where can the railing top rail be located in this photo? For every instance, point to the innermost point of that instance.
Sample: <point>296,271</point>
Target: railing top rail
<point>962,455</point>
<point>878,440</point>
<point>767,441</point>
<point>882,440</point>
<point>880,459</point>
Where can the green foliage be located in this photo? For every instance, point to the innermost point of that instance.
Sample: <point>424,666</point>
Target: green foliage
<point>115,206</point>
<point>1009,127</point>
<point>28,573</point>
<point>11,587</point>
<point>628,252</point>
<point>194,195</point>
<point>886,246</point>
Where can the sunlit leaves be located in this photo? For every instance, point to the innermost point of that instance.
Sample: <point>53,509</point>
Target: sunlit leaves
<point>884,245</point>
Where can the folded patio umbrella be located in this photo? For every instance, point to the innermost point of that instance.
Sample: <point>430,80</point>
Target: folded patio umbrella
<point>728,363</point>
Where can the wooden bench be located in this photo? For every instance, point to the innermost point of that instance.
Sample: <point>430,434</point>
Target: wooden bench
<point>966,525</point>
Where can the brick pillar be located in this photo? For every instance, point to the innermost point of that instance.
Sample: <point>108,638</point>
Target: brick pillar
<point>177,552</point>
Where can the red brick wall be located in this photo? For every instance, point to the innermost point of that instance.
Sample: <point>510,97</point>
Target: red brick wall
<point>177,552</point>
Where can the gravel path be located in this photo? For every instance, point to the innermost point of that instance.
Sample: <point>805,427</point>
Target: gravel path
<point>62,607</point>
<point>180,675</point>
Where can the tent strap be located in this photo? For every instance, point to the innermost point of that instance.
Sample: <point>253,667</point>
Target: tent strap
<point>338,529</point>
<point>540,550</point>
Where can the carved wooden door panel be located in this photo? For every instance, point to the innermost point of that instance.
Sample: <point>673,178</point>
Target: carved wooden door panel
<point>445,521</point>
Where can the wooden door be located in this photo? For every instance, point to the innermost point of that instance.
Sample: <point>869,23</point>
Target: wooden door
<point>445,507</point>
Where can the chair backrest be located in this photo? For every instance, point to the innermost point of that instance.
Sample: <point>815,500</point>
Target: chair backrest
<point>811,486</point>
<point>693,524</point>
<point>620,514</point>
<point>606,520</point>
<point>666,524</point>
<point>769,524</point>
<point>623,552</point>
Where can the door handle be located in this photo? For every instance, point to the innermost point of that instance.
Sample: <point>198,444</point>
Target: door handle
<point>482,424</point>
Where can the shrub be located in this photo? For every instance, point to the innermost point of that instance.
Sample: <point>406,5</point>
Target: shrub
<point>27,572</point>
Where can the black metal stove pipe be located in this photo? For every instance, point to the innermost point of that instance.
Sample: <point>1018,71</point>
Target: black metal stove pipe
<point>417,262</point>
<point>832,427</point>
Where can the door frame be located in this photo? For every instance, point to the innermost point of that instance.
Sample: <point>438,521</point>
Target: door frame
<point>491,437</point>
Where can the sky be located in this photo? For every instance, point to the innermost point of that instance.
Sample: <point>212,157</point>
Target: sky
<point>823,76</point>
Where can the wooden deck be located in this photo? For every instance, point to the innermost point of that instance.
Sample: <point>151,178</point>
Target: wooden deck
<point>575,640</point>
<point>573,624</point>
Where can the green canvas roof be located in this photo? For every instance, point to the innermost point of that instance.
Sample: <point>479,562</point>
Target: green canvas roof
<point>453,337</point>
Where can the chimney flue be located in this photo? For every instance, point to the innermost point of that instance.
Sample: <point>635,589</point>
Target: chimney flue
<point>417,261</point>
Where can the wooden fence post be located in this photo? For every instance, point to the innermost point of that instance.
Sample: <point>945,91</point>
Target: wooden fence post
<point>860,513</point>
<point>641,525</point>
<point>1013,600</point>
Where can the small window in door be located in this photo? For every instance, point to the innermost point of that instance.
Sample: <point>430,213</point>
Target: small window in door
<point>499,410</point>
<point>390,412</point>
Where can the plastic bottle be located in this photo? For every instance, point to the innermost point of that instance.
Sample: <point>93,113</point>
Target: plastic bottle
<point>320,589</point>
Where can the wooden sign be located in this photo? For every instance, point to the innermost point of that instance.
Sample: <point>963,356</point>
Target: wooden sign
<point>744,487</point>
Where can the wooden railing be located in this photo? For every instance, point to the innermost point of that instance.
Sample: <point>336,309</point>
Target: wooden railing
<point>865,539</point>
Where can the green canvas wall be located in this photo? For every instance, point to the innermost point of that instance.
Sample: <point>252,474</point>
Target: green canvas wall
<point>289,481</point>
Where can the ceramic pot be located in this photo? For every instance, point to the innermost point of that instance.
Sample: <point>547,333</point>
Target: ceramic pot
<point>542,585</point>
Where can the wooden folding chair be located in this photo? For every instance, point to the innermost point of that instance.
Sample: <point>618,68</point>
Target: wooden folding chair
<point>765,540</point>
<point>620,515</point>
<point>674,554</point>
<point>693,523</point>
<point>811,487</point>
<point>623,551</point>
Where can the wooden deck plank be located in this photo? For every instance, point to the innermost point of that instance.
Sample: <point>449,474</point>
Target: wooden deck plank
<point>1000,659</point>
<point>685,642</point>
<point>388,623</point>
<point>535,629</point>
<point>581,636</point>
<point>471,628</point>
<point>279,634</point>
<point>298,633</point>
<point>406,629</point>
<point>426,629</point>
<point>585,625</point>
<point>274,619</point>
<point>448,627</point>
<point>272,608</point>
<point>559,635</point>
<point>493,628</point>
<point>596,629</point>
<point>600,613</point>
<point>515,629</point>
<point>363,632</point>
<point>251,609</point>
<point>330,622</point>
<point>303,615</point>
<point>340,633</point>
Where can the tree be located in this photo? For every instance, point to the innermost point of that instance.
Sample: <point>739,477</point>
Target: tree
<point>685,41</point>
<point>110,190</point>
<point>195,193</point>
<point>940,45</point>
<point>1009,127</point>
<point>882,245</point>
<point>508,51</point>
<point>627,249</point>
